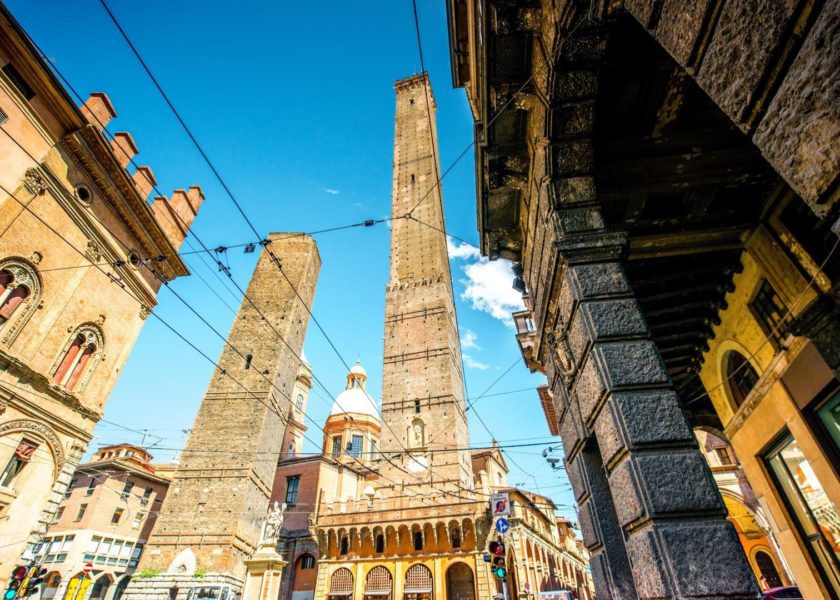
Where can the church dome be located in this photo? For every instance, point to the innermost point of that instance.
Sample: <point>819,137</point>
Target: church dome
<point>354,398</point>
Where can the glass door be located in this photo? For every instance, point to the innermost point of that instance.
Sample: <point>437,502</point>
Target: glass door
<point>815,515</point>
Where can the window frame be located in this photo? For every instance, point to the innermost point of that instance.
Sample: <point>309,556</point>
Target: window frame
<point>292,489</point>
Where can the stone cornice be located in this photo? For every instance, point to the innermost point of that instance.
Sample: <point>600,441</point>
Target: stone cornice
<point>91,152</point>
<point>40,384</point>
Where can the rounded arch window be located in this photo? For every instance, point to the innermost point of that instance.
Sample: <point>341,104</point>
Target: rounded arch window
<point>740,375</point>
<point>767,567</point>
<point>307,561</point>
<point>78,357</point>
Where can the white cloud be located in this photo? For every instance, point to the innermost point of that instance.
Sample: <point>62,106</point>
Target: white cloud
<point>464,251</point>
<point>474,364</point>
<point>332,191</point>
<point>469,340</point>
<point>489,284</point>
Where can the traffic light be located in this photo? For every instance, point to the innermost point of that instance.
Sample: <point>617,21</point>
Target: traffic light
<point>18,575</point>
<point>499,567</point>
<point>497,548</point>
<point>36,577</point>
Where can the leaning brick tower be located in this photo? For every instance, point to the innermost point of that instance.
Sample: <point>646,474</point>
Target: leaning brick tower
<point>422,388</point>
<point>212,516</point>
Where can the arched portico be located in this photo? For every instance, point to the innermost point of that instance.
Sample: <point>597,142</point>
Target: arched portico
<point>460,582</point>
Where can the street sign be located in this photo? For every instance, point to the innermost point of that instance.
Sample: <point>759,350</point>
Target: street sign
<point>87,568</point>
<point>502,525</point>
<point>500,504</point>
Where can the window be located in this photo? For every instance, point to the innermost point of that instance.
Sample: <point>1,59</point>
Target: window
<point>336,446</point>
<point>456,538</point>
<point>91,486</point>
<point>68,541</point>
<point>724,456</point>
<point>769,311</point>
<point>115,518</point>
<point>292,484</point>
<point>147,493</point>
<point>372,449</point>
<point>740,376</point>
<point>248,359</point>
<point>355,449</point>
<point>299,402</point>
<point>12,295</point>
<point>126,491</point>
<point>81,512</point>
<point>344,546</point>
<point>80,352</point>
<point>23,454</point>
<point>379,546</point>
<point>418,540</point>
<point>307,561</point>
<point>93,544</point>
<point>58,514</point>
<point>417,406</point>
<point>814,513</point>
<point>69,491</point>
<point>18,81</point>
<point>138,519</point>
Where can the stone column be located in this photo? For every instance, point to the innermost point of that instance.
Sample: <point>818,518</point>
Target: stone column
<point>633,460</point>
<point>263,575</point>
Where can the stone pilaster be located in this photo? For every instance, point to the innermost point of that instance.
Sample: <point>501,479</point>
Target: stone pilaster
<point>667,508</point>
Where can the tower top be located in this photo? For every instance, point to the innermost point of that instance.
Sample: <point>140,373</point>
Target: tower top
<point>415,81</point>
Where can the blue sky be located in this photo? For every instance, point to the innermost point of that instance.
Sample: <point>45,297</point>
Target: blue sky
<point>294,103</point>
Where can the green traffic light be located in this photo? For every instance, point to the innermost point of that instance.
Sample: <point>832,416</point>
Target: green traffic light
<point>10,594</point>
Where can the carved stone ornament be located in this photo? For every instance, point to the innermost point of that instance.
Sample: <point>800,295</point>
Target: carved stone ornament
<point>34,182</point>
<point>272,524</point>
<point>41,431</point>
<point>36,258</point>
<point>93,252</point>
<point>559,341</point>
<point>145,311</point>
<point>100,320</point>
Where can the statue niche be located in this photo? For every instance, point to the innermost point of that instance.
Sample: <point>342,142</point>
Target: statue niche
<point>417,433</point>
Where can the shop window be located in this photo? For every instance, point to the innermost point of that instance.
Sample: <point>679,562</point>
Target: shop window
<point>292,484</point>
<point>813,512</point>
<point>769,311</point>
<point>740,376</point>
<point>23,454</point>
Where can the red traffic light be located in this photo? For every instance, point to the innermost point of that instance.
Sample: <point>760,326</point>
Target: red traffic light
<point>19,572</point>
<point>496,548</point>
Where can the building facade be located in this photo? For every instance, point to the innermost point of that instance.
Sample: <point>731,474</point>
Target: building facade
<point>82,255</point>
<point>219,496</point>
<point>632,157</point>
<point>105,518</point>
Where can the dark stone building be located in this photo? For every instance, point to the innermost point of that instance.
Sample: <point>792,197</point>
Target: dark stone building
<point>627,156</point>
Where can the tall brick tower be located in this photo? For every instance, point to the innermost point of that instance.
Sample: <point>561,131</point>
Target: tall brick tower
<point>212,516</point>
<point>422,388</point>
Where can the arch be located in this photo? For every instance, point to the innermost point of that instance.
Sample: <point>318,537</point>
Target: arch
<point>341,583</point>
<point>119,590</point>
<point>41,431</point>
<point>416,434</point>
<point>77,586</point>
<point>770,576</point>
<point>306,573</point>
<point>184,562</point>
<point>78,358</point>
<point>378,583</point>
<point>100,587</point>
<point>419,583</point>
<point>460,582</point>
<point>740,376</point>
<point>51,582</point>
<point>19,306</point>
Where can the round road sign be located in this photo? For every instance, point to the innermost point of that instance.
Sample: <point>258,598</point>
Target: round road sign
<point>87,568</point>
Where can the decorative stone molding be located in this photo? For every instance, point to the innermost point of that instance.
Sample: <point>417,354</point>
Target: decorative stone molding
<point>92,335</point>
<point>42,431</point>
<point>93,251</point>
<point>24,274</point>
<point>34,182</point>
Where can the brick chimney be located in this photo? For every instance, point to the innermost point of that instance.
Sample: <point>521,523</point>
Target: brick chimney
<point>167,221</point>
<point>176,215</point>
<point>98,110</point>
<point>144,181</point>
<point>124,147</point>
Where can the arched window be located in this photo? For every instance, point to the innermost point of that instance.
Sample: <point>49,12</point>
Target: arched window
<point>379,545</point>
<point>307,561</point>
<point>456,538</point>
<point>769,575</point>
<point>20,289</point>
<point>418,540</point>
<point>378,583</point>
<point>740,375</point>
<point>341,583</point>
<point>418,582</point>
<point>76,361</point>
<point>344,546</point>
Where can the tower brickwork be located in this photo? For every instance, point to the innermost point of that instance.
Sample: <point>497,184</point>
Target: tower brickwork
<point>422,389</point>
<point>221,490</point>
